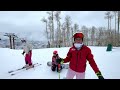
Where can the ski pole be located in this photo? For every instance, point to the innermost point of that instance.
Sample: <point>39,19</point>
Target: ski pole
<point>59,74</point>
<point>59,70</point>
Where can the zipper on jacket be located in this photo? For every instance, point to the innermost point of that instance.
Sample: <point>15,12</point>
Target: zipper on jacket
<point>80,55</point>
<point>77,61</point>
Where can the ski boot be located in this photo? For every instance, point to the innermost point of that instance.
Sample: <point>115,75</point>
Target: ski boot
<point>30,66</point>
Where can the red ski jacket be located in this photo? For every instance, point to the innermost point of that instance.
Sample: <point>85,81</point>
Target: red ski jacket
<point>79,58</point>
<point>54,58</point>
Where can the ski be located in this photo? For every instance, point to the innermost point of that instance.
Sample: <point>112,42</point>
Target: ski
<point>35,65</point>
<point>19,69</point>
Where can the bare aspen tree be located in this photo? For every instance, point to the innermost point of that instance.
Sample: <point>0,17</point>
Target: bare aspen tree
<point>45,21</point>
<point>50,30</point>
<point>76,27</point>
<point>64,34</point>
<point>115,15</point>
<point>115,37</point>
<point>98,36</point>
<point>84,29</point>
<point>108,17</point>
<point>101,39</point>
<point>72,30</point>
<point>111,17</point>
<point>93,35</point>
<point>110,31</point>
<point>68,24</point>
<point>51,18</point>
<point>57,16</point>
<point>118,27</point>
<point>71,36</point>
<point>56,38</point>
<point>60,35</point>
<point>86,36</point>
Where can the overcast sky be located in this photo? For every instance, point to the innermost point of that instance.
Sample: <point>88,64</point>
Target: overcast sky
<point>29,22</point>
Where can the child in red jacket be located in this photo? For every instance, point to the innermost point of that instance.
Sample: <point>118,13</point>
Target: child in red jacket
<point>55,63</point>
<point>77,56</point>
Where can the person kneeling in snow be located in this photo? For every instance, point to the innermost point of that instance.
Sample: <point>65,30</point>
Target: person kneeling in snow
<point>56,62</point>
<point>27,48</point>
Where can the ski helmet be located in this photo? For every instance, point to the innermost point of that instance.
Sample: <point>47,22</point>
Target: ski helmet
<point>55,52</point>
<point>78,35</point>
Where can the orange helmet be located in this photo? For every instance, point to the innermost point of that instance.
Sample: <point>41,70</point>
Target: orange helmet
<point>55,52</point>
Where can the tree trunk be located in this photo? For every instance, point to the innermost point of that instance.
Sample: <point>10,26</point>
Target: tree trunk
<point>118,31</point>
<point>52,30</point>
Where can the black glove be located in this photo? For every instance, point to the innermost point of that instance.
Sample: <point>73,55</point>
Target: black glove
<point>59,60</point>
<point>99,75</point>
<point>23,53</point>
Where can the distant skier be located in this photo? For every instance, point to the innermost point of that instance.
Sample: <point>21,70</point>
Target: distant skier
<point>55,62</point>
<point>78,56</point>
<point>27,48</point>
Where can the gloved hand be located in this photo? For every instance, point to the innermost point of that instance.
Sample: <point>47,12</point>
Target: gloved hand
<point>99,75</point>
<point>23,53</point>
<point>60,61</point>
